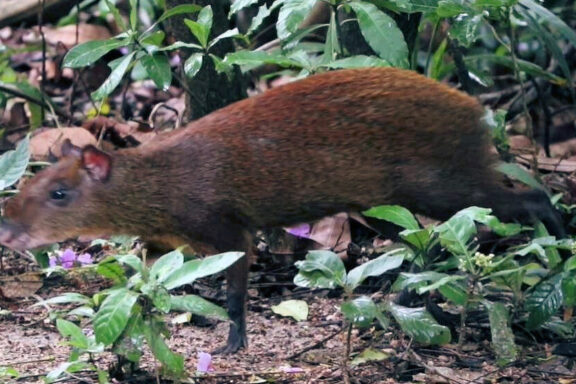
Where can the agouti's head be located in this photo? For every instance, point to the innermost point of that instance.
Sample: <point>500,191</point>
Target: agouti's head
<point>53,205</point>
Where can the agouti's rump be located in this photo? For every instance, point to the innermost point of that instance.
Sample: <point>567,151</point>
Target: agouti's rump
<point>340,141</point>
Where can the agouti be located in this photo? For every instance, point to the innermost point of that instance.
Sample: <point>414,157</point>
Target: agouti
<point>339,141</point>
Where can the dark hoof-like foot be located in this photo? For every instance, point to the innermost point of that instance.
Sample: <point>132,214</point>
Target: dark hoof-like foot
<point>229,348</point>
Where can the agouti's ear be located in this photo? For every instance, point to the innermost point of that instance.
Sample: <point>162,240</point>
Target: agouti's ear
<point>69,149</point>
<point>97,163</point>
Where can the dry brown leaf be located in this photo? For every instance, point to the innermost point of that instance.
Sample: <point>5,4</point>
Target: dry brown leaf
<point>67,34</point>
<point>19,286</point>
<point>49,141</point>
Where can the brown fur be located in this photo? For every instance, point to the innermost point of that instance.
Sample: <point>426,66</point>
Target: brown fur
<point>340,141</point>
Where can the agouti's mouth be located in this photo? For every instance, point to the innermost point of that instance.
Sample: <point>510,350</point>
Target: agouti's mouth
<point>17,238</point>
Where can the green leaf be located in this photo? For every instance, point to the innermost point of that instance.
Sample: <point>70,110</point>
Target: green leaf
<point>502,335</point>
<point>455,292</point>
<point>77,338</point>
<point>166,265</point>
<point>180,44</point>
<point>545,16</point>
<point>193,64</point>
<point>465,29</point>
<point>358,61</point>
<point>413,281</point>
<point>256,58</point>
<point>178,10</point>
<point>154,39</point>
<point>395,214</point>
<point>66,298</point>
<point>133,15</point>
<point>111,269</point>
<point>321,269</point>
<point>205,18</point>
<point>224,35</point>
<point>199,31</point>
<point>381,33</point>
<point>523,65</point>
<point>133,261</point>
<point>420,325</point>
<point>263,13</point>
<point>87,53</point>
<point>173,362</point>
<point>332,45</point>
<point>291,16</point>
<point>456,233</point>
<point>111,7</point>
<point>158,69</point>
<point>544,301</point>
<point>198,306</point>
<point>240,4</point>
<point>113,315</point>
<point>368,355</point>
<point>297,309</point>
<point>13,163</point>
<point>361,311</point>
<point>8,372</point>
<point>376,267</point>
<point>419,238</point>
<point>198,268</point>
<point>121,66</point>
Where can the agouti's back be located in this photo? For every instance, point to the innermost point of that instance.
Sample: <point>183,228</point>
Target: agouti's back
<point>339,141</point>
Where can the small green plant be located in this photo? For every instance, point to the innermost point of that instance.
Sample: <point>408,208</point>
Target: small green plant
<point>131,313</point>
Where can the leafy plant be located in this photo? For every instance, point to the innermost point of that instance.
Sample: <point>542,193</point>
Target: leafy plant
<point>130,314</point>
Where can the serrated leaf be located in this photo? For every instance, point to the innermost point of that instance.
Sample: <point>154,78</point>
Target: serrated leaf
<point>296,309</point>
<point>263,13</point>
<point>394,214</point>
<point>198,306</point>
<point>198,268</point>
<point>321,269</point>
<point>376,267</point>
<point>166,265</point>
<point>113,315</point>
<point>420,325</point>
<point>502,335</point>
<point>13,163</point>
<point>193,64</point>
<point>87,53</point>
<point>544,301</point>
<point>291,16</point>
<point>121,66</point>
<point>381,33</point>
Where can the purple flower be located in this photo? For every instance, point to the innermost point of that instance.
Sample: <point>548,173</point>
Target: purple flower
<point>300,230</point>
<point>204,364</point>
<point>69,258</point>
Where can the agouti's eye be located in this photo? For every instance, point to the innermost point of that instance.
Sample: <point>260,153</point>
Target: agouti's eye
<point>60,197</point>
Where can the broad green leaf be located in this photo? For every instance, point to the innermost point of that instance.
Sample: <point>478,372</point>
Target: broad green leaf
<point>237,5</point>
<point>161,299</point>
<point>544,301</point>
<point>465,29</point>
<point>456,233</point>
<point>440,283</point>
<point>198,268</point>
<point>111,269</point>
<point>198,306</point>
<point>205,18</point>
<point>158,68</point>
<point>263,13</point>
<point>256,58</point>
<point>13,163</point>
<point>291,16</point>
<point>381,33</point>
<point>483,216</point>
<point>412,281</point>
<point>451,8</point>
<point>570,264</point>
<point>224,35</point>
<point>569,288</point>
<point>110,6</point>
<point>297,309</point>
<point>166,265</point>
<point>154,39</point>
<point>332,45</point>
<point>120,66</point>
<point>178,10</point>
<point>376,267</point>
<point>8,372</point>
<point>419,238</point>
<point>455,292</point>
<point>133,15</point>
<point>193,64</point>
<point>321,269</point>
<point>68,329</point>
<point>369,355</point>
<point>199,31</point>
<point>523,65</point>
<point>173,362</point>
<point>547,17</point>
<point>358,61</point>
<point>361,311</point>
<point>132,261</point>
<point>87,53</point>
<point>420,325</point>
<point>113,315</point>
<point>502,335</point>
<point>395,214</point>
<point>66,298</point>
<point>132,344</point>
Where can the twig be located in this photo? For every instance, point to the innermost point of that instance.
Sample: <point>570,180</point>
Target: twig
<point>315,345</point>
